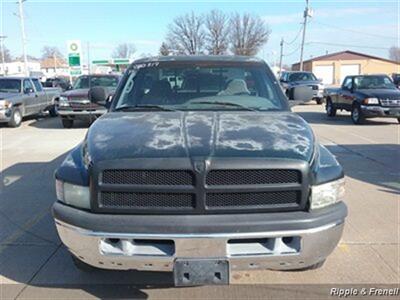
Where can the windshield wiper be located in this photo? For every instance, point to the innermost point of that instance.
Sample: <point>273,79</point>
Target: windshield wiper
<point>226,104</point>
<point>143,106</point>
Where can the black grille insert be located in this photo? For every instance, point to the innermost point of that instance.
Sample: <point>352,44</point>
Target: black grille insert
<point>143,200</point>
<point>253,199</point>
<point>148,177</point>
<point>243,177</point>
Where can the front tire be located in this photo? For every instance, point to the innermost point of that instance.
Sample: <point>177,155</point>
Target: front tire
<point>398,120</point>
<point>330,108</point>
<point>16,118</point>
<point>357,115</point>
<point>319,100</point>
<point>67,123</point>
<point>53,111</point>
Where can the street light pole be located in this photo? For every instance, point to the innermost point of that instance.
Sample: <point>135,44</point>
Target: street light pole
<point>21,20</point>
<point>306,14</point>
<point>281,57</point>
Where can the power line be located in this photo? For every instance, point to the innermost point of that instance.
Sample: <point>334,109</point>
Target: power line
<point>296,37</point>
<point>355,31</point>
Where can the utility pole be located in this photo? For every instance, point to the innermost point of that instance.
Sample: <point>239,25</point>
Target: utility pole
<point>307,13</point>
<point>21,21</point>
<point>55,64</point>
<point>2,37</point>
<point>281,57</point>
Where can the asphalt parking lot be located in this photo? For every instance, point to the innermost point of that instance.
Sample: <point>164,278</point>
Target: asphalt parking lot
<point>34,264</point>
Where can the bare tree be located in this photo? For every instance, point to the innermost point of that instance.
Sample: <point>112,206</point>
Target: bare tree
<point>394,53</point>
<point>186,35</point>
<point>7,55</point>
<point>248,34</point>
<point>124,50</point>
<point>50,52</point>
<point>164,49</point>
<point>217,32</point>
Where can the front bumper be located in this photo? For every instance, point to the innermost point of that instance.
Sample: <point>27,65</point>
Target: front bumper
<point>5,115</point>
<point>279,241</point>
<point>380,111</point>
<point>80,114</point>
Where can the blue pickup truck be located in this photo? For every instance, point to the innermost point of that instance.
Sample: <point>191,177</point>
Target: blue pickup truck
<point>365,96</point>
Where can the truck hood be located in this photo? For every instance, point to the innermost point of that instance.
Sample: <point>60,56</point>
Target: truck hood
<point>8,96</point>
<point>302,82</point>
<point>120,135</point>
<point>381,93</point>
<point>78,93</point>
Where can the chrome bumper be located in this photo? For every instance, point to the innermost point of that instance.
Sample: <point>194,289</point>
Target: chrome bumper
<point>62,112</point>
<point>380,111</point>
<point>277,250</point>
<point>5,115</point>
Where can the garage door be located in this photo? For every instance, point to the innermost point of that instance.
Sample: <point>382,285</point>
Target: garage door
<point>325,73</point>
<point>347,70</point>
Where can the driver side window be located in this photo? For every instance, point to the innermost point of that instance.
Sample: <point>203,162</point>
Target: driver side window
<point>27,85</point>
<point>348,83</point>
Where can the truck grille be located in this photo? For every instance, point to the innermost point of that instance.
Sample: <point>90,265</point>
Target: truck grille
<point>253,200</point>
<point>390,102</point>
<point>148,177</point>
<point>146,200</point>
<point>238,177</point>
<point>121,188</point>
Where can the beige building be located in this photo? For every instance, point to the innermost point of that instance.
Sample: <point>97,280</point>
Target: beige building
<point>333,68</point>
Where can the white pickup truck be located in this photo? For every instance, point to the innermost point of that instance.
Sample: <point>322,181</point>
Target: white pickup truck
<point>25,96</point>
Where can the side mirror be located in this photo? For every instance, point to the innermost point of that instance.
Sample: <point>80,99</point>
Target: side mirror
<point>28,90</point>
<point>99,95</point>
<point>320,80</point>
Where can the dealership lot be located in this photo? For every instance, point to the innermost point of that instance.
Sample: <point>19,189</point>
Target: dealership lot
<point>33,263</point>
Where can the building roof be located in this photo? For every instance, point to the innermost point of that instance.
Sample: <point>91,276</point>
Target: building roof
<point>347,55</point>
<point>49,63</point>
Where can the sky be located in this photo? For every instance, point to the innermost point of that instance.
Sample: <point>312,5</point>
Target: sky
<point>365,26</point>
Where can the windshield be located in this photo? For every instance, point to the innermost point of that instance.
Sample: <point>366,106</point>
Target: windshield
<point>302,76</point>
<point>200,87</point>
<point>373,82</point>
<point>10,85</point>
<point>106,81</point>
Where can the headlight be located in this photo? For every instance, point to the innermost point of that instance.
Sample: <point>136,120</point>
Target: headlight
<point>371,101</point>
<point>327,193</point>
<point>71,194</point>
<point>63,101</point>
<point>4,104</point>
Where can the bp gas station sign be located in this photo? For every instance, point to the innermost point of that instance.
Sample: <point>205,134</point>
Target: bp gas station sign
<point>74,57</point>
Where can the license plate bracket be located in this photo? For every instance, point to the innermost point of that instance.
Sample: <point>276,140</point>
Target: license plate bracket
<point>191,272</point>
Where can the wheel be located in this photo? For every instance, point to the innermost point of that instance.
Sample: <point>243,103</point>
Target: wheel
<point>289,94</point>
<point>398,120</point>
<point>82,266</point>
<point>319,100</point>
<point>53,111</point>
<point>356,114</point>
<point>67,123</point>
<point>16,118</point>
<point>330,108</point>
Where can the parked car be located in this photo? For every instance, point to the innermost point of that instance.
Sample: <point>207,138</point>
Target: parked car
<point>291,79</point>
<point>365,96</point>
<point>61,82</point>
<point>396,79</point>
<point>25,96</point>
<point>74,104</point>
<point>199,176</point>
